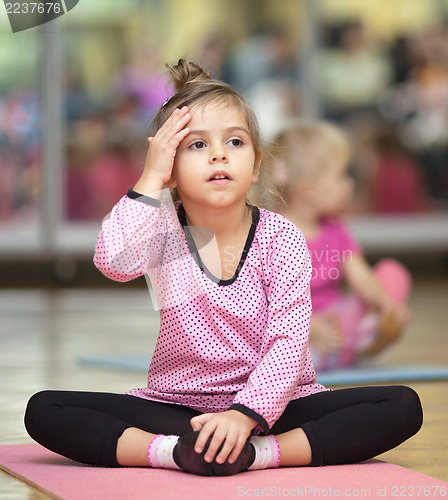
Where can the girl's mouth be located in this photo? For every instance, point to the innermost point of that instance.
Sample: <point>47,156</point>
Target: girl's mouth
<point>219,178</point>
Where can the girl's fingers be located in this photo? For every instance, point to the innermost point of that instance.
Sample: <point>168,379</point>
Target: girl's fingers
<point>200,420</point>
<point>215,443</point>
<point>232,448</point>
<point>163,145</point>
<point>178,119</point>
<point>174,134</point>
<point>180,136</point>
<point>241,441</point>
<point>201,440</point>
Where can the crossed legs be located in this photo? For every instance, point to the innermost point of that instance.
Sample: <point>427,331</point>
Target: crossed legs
<point>331,427</point>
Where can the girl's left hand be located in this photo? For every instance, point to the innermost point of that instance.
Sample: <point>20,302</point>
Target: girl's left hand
<point>229,427</point>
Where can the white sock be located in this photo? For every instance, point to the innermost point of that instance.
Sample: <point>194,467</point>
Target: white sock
<point>160,452</point>
<point>267,452</point>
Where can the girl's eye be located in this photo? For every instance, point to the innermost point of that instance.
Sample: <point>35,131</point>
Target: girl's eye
<point>236,142</point>
<point>198,145</point>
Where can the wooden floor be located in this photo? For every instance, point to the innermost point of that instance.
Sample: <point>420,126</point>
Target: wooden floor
<point>44,332</point>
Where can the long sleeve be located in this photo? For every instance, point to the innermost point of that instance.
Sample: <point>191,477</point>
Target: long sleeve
<point>284,352</point>
<point>133,236</point>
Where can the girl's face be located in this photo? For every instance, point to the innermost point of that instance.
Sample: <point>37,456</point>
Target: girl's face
<point>216,163</point>
<point>332,189</point>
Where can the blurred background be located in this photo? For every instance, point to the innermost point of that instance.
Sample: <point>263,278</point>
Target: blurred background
<point>77,96</point>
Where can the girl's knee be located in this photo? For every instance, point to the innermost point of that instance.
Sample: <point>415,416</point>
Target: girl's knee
<point>410,409</point>
<point>39,400</point>
<point>395,277</point>
<point>36,412</point>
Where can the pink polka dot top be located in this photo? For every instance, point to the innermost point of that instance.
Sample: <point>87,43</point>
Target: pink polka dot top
<point>240,343</point>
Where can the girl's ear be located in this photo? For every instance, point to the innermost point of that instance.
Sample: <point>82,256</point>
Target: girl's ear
<point>256,171</point>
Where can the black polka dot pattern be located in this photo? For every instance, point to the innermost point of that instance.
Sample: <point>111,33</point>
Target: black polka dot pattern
<point>243,343</point>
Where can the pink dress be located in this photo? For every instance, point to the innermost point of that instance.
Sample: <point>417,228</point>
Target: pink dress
<point>241,343</point>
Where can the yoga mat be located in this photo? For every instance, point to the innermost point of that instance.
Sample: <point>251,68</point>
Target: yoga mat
<point>61,478</point>
<point>355,375</point>
<point>379,374</point>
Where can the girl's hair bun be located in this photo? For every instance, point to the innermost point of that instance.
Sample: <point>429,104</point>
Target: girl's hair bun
<point>186,72</point>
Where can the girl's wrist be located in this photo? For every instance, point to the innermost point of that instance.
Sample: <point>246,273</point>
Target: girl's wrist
<point>249,420</point>
<point>149,185</point>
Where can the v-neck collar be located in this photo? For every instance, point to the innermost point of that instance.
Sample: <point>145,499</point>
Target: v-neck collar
<point>195,252</point>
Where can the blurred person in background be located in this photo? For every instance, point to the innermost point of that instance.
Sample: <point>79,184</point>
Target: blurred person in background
<point>310,164</point>
<point>20,155</point>
<point>267,54</point>
<point>352,72</point>
<point>116,166</point>
<point>101,138</point>
<point>265,68</point>
<point>418,106</point>
<point>212,52</point>
<point>396,184</point>
<point>141,78</point>
<point>78,103</point>
<point>387,175</point>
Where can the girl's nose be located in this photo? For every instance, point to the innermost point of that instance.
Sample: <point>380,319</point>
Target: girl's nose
<point>217,156</point>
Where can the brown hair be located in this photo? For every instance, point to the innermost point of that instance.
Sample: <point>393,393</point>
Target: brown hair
<point>303,150</point>
<point>195,87</point>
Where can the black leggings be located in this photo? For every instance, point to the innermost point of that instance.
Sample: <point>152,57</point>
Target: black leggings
<point>342,426</point>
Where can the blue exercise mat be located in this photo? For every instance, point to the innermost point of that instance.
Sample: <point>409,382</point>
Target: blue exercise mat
<point>127,362</point>
<point>380,374</point>
<point>356,375</point>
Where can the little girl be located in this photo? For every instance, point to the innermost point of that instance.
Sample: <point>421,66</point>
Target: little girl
<point>231,386</point>
<point>311,167</point>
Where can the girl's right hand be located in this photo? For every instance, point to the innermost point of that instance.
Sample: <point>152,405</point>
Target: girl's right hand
<point>162,151</point>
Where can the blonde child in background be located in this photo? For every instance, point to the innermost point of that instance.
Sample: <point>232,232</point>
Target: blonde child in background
<point>310,164</point>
